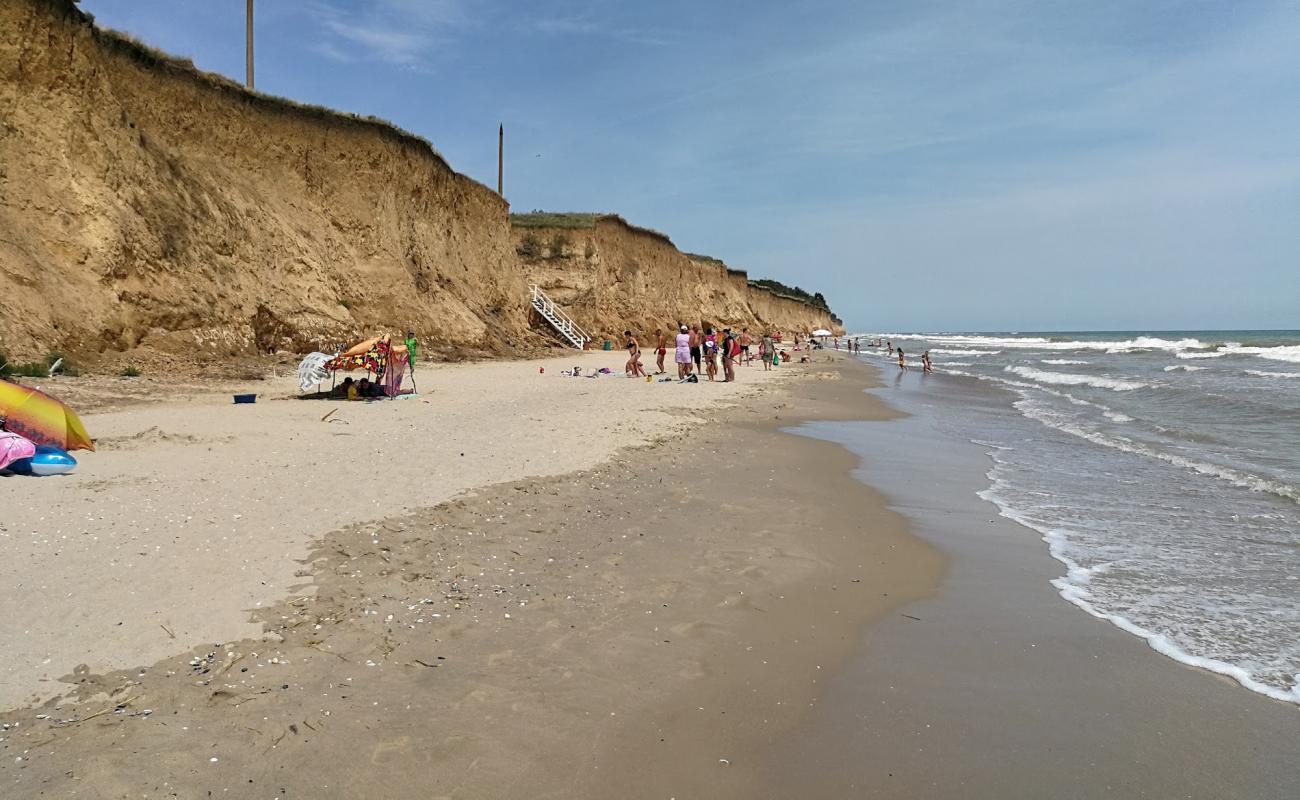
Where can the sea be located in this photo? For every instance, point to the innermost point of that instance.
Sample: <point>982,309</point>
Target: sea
<point>1162,469</point>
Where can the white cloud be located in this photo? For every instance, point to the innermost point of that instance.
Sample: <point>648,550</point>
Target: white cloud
<point>405,33</point>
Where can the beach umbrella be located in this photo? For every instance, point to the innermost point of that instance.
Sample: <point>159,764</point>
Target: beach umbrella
<point>821,332</point>
<point>311,370</point>
<point>40,418</point>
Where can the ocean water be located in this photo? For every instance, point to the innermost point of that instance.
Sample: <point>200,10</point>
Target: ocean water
<point>1162,469</point>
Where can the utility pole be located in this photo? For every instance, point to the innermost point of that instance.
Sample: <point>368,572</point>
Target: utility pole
<point>248,52</point>
<point>501,152</point>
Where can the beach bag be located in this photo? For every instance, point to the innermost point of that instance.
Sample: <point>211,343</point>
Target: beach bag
<point>776,359</point>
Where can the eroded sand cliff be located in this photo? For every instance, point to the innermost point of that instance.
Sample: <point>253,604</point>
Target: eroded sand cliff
<point>144,204</point>
<point>613,276</point>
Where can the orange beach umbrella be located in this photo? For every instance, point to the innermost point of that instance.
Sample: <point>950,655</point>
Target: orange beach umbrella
<point>40,418</point>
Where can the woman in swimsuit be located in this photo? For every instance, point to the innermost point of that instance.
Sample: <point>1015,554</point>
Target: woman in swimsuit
<point>682,353</point>
<point>633,368</point>
<point>711,352</point>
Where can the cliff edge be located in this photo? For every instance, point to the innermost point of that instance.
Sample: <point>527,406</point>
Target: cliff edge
<point>147,206</point>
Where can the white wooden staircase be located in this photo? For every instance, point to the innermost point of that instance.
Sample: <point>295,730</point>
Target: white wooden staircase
<point>559,320</point>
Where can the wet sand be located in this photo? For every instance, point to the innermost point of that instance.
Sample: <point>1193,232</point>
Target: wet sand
<point>996,687</point>
<point>643,628</point>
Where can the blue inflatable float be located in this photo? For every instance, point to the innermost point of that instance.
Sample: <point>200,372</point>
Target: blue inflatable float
<point>49,460</point>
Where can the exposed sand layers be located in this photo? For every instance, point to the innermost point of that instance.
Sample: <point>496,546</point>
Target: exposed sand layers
<point>172,209</point>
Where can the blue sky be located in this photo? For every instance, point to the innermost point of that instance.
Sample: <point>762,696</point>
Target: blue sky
<point>982,164</point>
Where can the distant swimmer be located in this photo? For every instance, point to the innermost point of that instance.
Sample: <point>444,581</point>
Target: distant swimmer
<point>902,364</point>
<point>890,345</point>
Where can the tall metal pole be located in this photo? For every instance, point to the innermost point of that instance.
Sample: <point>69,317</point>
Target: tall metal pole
<point>501,150</point>
<point>248,53</point>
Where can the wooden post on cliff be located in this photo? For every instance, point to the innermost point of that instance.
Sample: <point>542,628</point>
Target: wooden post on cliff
<point>501,152</point>
<point>248,50</point>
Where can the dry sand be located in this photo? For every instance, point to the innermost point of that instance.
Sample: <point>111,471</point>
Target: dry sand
<point>194,513</point>
<point>637,629</point>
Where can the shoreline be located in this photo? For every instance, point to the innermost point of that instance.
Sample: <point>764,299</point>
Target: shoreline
<point>545,633</point>
<point>995,685</point>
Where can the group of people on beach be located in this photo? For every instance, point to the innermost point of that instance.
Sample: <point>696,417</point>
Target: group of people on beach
<point>700,350</point>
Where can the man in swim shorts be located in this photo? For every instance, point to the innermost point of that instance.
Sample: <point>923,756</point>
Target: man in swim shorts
<point>697,341</point>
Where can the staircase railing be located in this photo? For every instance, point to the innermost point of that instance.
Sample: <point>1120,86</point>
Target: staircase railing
<point>558,319</point>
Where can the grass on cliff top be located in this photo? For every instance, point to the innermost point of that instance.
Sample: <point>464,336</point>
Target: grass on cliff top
<point>548,219</point>
<point>717,262</point>
<point>581,219</point>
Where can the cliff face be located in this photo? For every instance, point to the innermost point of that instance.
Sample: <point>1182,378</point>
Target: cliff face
<point>613,276</point>
<point>142,202</point>
<point>146,205</point>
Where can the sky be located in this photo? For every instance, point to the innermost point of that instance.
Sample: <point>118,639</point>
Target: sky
<point>962,165</point>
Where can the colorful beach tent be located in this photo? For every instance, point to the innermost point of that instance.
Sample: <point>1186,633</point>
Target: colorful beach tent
<point>377,356</point>
<point>40,418</point>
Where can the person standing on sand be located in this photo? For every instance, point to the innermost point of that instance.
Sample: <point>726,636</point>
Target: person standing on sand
<point>745,341</point>
<point>697,342</point>
<point>682,353</point>
<point>711,352</point>
<point>633,367</point>
<point>730,349</point>
<point>767,351</point>
<point>901,363</point>
<point>661,350</point>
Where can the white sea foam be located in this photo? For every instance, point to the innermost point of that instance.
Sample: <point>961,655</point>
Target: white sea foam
<point>953,364</point>
<point>1289,353</point>
<point>1201,354</point>
<point>1062,362</point>
<point>1040,343</point>
<point>1183,368</point>
<point>965,352</point>
<point>1265,374</point>
<point>1070,379</point>
<point>1115,416</point>
<point>1073,588</point>
<point>1245,480</point>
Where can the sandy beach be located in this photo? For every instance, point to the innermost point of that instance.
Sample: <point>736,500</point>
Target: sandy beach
<point>193,513</point>
<point>702,604</point>
<point>676,596</point>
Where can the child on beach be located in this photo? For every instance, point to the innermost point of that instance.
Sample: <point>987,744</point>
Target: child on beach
<point>901,363</point>
<point>661,350</point>
<point>925,362</point>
